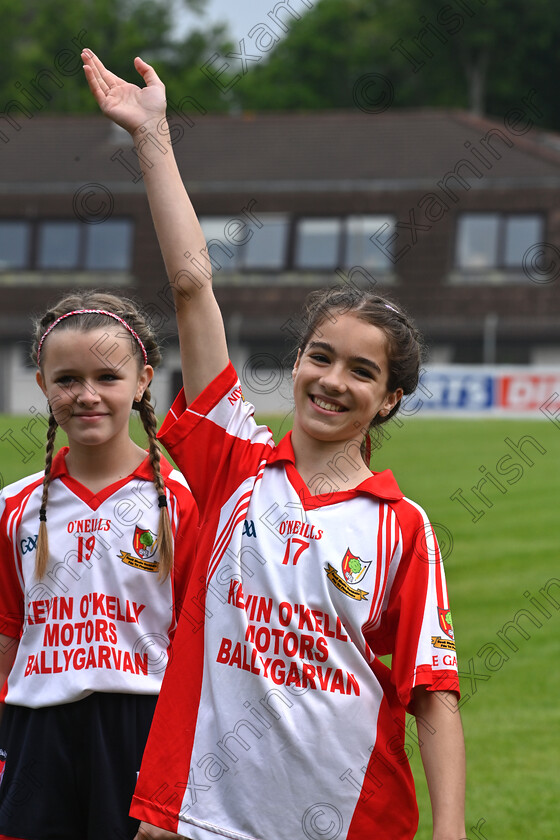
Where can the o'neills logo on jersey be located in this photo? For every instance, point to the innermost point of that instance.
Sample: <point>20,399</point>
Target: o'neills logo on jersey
<point>302,529</point>
<point>235,395</point>
<point>3,757</point>
<point>353,569</point>
<point>145,546</point>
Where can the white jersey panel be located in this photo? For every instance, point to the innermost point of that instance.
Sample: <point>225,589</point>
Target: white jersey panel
<point>100,619</point>
<point>279,701</point>
<point>300,658</point>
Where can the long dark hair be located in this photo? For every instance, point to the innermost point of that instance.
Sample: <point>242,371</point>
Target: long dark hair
<point>404,344</point>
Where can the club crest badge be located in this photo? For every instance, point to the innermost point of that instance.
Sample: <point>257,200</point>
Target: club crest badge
<point>144,544</point>
<point>445,622</point>
<point>353,569</point>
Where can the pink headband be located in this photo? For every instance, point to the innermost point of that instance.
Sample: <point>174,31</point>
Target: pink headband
<point>93,312</point>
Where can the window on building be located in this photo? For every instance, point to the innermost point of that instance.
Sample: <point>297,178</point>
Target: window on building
<point>58,245</point>
<point>65,245</point>
<point>267,247</point>
<point>521,232</point>
<point>360,249</point>
<point>223,254</point>
<point>349,241</point>
<point>318,243</point>
<point>14,244</point>
<point>235,244</point>
<point>109,246</point>
<point>495,240</point>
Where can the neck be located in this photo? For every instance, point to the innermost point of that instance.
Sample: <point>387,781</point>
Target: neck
<point>97,467</point>
<point>328,466</point>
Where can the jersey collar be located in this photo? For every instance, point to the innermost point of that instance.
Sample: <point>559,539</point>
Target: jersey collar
<point>382,484</point>
<point>143,470</point>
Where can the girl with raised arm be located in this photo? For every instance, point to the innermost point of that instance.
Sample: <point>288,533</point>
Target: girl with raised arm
<point>277,719</point>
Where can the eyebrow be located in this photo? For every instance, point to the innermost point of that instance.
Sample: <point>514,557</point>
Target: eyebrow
<point>70,371</point>
<point>361,360</point>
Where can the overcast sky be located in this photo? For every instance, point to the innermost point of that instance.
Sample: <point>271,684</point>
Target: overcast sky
<point>240,15</point>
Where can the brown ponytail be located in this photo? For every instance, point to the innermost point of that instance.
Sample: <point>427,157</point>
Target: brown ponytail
<point>42,555</point>
<point>165,534</point>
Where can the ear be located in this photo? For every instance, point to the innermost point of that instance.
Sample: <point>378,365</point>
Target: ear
<point>41,382</point>
<point>144,379</point>
<point>390,401</point>
<point>296,364</point>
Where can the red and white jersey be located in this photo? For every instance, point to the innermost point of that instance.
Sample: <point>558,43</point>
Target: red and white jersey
<point>277,720</point>
<point>99,619</point>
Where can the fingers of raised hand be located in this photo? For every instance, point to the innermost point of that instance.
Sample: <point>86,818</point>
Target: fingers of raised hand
<point>97,74</point>
<point>147,72</point>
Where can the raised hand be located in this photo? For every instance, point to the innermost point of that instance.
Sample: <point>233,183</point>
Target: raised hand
<point>128,105</point>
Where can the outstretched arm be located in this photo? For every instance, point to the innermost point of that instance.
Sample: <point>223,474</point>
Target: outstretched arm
<point>443,755</point>
<point>141,111</point>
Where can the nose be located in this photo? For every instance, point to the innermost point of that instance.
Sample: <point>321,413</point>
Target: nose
<point>84,393</point>
<point>334,380</point>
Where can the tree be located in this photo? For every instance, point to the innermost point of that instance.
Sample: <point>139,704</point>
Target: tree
<point>484,55</point>
<point>40,42</point>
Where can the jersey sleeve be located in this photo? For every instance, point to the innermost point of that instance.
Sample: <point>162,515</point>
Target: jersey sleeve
<point>215,442</point>
<point>184,520</point>
<point>418,629</point>
<point>11,589</point>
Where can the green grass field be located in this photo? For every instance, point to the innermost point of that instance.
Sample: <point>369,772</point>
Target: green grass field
<point>511,678</point>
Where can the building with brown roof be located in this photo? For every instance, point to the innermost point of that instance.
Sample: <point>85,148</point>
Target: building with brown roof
<point>456,216</point>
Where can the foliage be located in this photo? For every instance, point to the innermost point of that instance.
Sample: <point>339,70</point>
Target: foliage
<point>485,55</point>
<point>37,38</point>
<point>479,54</point>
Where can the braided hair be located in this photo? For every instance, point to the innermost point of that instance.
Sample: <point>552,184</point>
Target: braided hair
<point>404,344</point>
<point>128,311</point>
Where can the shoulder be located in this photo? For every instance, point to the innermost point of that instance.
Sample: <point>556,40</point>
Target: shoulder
<point>176,483</point>
<point>177,486</point>
<point>411,516</point>
<point>14,498</point>
<point>23,486</point>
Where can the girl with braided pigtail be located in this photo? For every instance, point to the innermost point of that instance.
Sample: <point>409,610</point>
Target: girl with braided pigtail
<point>91,586</point>
<point>165,536</point>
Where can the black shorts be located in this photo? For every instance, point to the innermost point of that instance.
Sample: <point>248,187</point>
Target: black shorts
<point>71,770</point>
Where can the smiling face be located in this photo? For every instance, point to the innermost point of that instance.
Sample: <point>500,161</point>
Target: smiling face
<point>340,380</point>
<point>91,380</point>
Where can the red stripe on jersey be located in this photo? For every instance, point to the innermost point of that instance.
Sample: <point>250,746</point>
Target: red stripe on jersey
<point>437,562</point>
<point>165,767</point>
<point>224,537</point>
<point>11,573</point>
<point>386,546</point>
<point>380,570</point>
<point>234,524</point>
<point>384,778</point>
